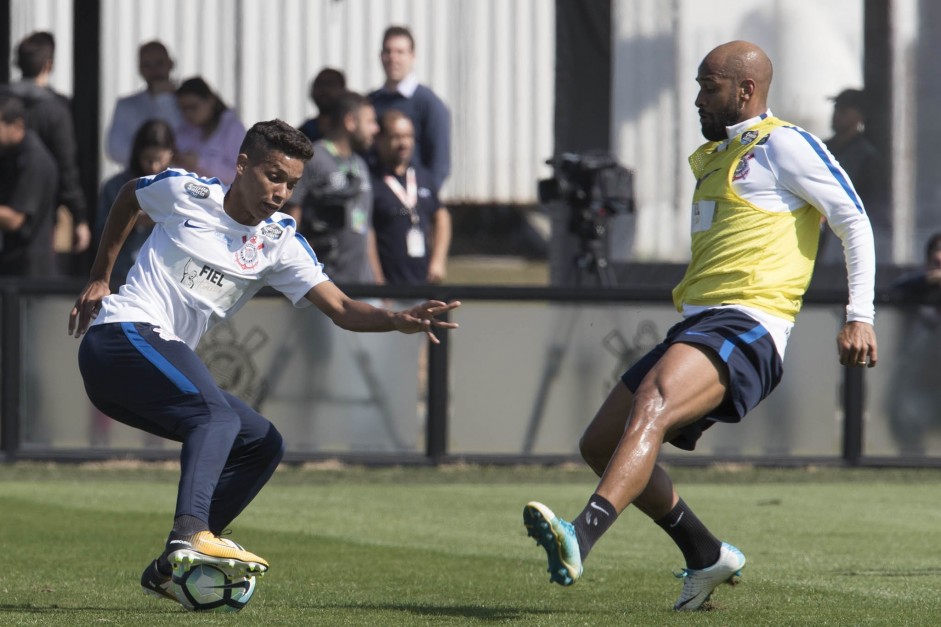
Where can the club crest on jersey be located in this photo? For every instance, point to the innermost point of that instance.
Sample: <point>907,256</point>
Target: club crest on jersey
<point>748,137</point>
<point>742,169</point>
<point>247,255</point>
<point>272,232</point>
<point>196,190</point>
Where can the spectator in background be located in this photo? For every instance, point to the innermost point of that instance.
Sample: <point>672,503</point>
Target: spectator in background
<point>208,140</point>
<point>28,183</point>
<point>49,114</point>
<point>413,230</point>
<point>332,202</point>
<point>156,101</point>
<point>428,113</point>
<point>866,168</point>
<point>151,153</point>
<point>915,407</point>
<point>324,90</point>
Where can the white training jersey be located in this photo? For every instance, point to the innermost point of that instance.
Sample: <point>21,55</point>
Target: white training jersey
<point>794,168</point>
<point>199,266</point>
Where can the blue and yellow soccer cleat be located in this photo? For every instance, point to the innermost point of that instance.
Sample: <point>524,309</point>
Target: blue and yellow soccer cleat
<point>557,537</point>
<point>698,585</point>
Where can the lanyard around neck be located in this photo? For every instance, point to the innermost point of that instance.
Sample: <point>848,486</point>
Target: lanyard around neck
<point>345,164</point>
<point>408,195</point>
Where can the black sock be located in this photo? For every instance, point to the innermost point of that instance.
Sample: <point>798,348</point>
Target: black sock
<point>699,546</point>
<point>594,520</point>
<point>187,525</point>
<point>183,526</point>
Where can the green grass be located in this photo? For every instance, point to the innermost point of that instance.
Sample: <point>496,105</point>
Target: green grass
<point>437,547</point>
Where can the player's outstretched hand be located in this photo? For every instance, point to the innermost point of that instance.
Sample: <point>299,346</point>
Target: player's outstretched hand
<point>422,318</point>
<point>87,306</point>
<point>856,345</point>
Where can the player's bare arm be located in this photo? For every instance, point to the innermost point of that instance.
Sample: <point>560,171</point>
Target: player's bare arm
<point>121,219</point>
<point>856,344</point>
<point>354,315</point>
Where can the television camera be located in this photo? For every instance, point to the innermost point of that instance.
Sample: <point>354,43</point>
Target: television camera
<point>594,186</point>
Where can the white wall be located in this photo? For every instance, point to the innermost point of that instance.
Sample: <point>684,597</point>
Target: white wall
<point>492,61</point>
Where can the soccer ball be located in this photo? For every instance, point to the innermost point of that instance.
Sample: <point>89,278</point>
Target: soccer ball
<point>207,588</point>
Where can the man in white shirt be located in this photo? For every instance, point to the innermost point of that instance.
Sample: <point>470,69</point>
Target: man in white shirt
<point>761,186</point>
<point>212,248</point>
<point>157,100</point>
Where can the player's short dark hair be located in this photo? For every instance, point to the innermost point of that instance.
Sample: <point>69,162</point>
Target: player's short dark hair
<point>398,31</point>
<point>34,52</point>
<point>11,108</point>
<point>265,137</point>
<point>347,102</point>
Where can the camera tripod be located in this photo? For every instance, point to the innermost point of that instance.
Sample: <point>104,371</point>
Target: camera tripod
<point>591,227</point>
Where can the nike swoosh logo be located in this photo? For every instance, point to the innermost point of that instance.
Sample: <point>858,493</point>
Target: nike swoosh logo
<point>243,585</point>
<point>190,225</point>
<point>683,604</point>
<point>594,505</point>
<point>677,520</point>
<point>705,176</point>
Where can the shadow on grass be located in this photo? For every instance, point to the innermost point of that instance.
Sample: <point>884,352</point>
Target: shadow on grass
<point>495,614</point>
<point>30,608</point>
<point>916,572</point>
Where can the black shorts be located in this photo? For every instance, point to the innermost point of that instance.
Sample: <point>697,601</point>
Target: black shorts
<point>748,351</point>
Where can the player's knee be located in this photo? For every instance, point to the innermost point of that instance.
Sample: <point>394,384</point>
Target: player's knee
<point>273,445</point>
<point>651,412</point>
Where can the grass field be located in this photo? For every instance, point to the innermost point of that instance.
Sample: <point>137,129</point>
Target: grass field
<point>440,547</point>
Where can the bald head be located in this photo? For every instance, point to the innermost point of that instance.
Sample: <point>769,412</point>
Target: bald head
<point>734,80</point>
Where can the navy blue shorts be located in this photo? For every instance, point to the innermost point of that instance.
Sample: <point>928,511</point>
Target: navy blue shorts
<point>137,376</point>
<point>744,345</point>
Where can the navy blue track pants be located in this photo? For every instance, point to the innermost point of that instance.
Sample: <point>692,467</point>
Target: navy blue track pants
<point>160,386</point>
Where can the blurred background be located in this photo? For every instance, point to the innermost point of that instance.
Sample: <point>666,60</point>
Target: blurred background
<point>525,82</point>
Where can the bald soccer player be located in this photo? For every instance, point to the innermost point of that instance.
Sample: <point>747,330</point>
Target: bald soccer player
<point>761,186</point>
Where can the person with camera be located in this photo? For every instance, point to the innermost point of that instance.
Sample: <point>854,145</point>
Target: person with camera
<point>332,203</point>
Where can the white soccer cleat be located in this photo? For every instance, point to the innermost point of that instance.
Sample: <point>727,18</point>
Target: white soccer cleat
<point>699,584</point>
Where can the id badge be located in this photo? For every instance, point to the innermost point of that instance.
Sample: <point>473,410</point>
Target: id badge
<point>415,242</point>
<point>702,215</point>
<point>358,220</point>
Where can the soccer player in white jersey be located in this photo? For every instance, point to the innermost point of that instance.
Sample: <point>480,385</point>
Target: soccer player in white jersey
<point>762,185</point>
<point>212,248</point>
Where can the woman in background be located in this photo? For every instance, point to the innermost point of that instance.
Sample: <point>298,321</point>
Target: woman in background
<point>208,140</point>
<point>151,152</point>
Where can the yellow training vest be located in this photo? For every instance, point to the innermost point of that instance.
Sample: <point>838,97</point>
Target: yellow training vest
<point>741,253</point>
